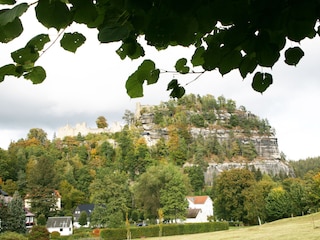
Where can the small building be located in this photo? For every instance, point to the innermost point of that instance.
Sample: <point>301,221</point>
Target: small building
<point>56,194</point>
<point>62,225</point>
<point>5,196</point>
<point>200,208</point>
<point>30,219</point>
<point>88,208</point>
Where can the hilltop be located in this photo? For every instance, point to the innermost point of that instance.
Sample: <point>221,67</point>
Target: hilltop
<point>225,135</point>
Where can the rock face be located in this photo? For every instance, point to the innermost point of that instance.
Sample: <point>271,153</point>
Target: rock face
<point>271,167</point>
<point>266,146</point>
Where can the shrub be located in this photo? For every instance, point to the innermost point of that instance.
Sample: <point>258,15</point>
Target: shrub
<point>41,220</point>
<point>39,233</point>
<point>55,235</point>
<point>12,236</point>
<point>96,232</point>
<point>167,230</point>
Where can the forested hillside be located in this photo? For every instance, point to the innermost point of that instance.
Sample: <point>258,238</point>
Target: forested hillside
<point>158,158</point>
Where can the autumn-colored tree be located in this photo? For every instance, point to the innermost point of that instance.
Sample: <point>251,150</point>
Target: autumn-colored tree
<point>101,122</point>
<point>38,134</point>
<point>177,147</point>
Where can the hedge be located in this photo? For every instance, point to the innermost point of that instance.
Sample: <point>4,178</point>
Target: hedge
<point>167,230</point>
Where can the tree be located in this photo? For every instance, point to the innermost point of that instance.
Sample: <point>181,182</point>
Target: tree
<point>163,186</point>
<point>128,117</point>
<point>39,233</point>
<point>83,218</point>
<point>230,192</point>
<point>41,184</point>
<point>38,134</point>
<point>254,204</point>
<point>110,192</point>
<point>12,215</point>
<point>173,196</point>
<point>226,35</point>
<point>16,221</point>
<point>277,204</point>
<point>196,176</point>
<point>4,215</point>
<point>101,122</point>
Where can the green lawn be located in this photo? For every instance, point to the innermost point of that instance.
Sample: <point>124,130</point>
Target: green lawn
<point>297,228</point>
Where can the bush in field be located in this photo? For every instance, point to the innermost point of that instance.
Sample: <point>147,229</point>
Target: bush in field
<point>55,235</point>
<point>96,232</point>
<point>39,233</point>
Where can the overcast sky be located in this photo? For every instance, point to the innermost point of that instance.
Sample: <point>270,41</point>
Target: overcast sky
<point>82,86</point>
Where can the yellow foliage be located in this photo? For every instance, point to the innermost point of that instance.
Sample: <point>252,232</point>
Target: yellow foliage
<point>93,152</point>
<point>316,178</point>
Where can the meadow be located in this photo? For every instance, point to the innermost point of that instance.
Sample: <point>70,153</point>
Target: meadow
<point>296,228</point>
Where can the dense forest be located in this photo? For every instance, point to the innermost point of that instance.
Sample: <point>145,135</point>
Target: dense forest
<point>124,175</point>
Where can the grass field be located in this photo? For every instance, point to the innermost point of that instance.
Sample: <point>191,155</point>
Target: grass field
<point>297,228</point>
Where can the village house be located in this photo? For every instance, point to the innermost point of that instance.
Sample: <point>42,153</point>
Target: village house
<point>200,209</point>
<point>62,225</point>
<point>88,208</point>
<point>27,200</point>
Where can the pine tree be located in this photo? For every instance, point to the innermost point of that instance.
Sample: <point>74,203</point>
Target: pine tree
<point>3,215</point>
<point>16,215</point>
<point>83,218</point>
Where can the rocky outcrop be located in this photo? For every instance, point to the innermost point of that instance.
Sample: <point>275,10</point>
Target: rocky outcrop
<point>271,167</point>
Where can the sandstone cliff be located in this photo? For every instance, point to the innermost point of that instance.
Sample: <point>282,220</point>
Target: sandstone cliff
<point>268,159</point>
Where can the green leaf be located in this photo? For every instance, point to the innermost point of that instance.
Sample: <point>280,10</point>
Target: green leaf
<point>293,55</point>
<point>10,31</point>
<point>8,70</point>
<point>38,42</point>
<point>261,81</point>
<point>9,15</point>
<point>267,54</point>
<point>177,90</point>
<point>212,57</point>
<point>145,72</point>
<point>197,58</point>
<point>84,11</point>
<point>53,13</point>
<point>130,48</point>
<point>181,66</point>
<point>229,61</point>
<point>36,75</point>
<point>8,2</point>
<point>114,33</point>
<point>247,65</point>
<point>71,41</point>
<point>25,56</point>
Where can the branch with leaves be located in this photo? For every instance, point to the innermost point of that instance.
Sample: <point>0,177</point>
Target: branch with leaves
<point>226,34</point>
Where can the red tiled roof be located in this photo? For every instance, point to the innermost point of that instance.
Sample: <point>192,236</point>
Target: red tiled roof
<point>198,199</point>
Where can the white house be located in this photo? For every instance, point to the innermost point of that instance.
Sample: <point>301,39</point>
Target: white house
<point>200,208</point>
<point>27,200</point>
<point>62,225</point>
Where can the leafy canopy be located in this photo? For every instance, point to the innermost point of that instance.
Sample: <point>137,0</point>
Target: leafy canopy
<point>225,34</point>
